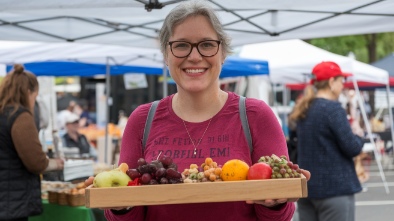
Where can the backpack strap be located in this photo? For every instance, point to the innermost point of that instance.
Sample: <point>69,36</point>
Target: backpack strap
<point>244,121</point>
<point>148,123</point>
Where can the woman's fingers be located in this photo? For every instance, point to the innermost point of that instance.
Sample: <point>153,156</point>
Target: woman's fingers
<point>306,173</point>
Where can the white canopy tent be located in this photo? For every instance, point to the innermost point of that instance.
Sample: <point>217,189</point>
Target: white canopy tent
<point>126,22</point>
<point>291,61</point>
<point>136,23</point>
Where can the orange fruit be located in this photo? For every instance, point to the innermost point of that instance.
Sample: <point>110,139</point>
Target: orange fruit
<point>234,170</point>
<point>123,167</point>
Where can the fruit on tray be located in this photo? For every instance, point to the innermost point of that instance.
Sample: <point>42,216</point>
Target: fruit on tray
<point>259,171</point>
<point>210,171</point>
<point>160,171</point>
<point>112,178</point>
<point>234,170</point>
<point>281,167</point>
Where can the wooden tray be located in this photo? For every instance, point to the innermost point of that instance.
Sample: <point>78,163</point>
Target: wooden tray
<point>196,192</point>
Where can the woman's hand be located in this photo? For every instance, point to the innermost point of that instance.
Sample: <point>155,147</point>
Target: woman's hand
<point>275,202</point>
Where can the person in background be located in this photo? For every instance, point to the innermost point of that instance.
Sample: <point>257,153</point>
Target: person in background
<point>63,114</point>
<point>72,138</point>
<point>194,46</point>
<point>21,156</point>
<point>326,147</point>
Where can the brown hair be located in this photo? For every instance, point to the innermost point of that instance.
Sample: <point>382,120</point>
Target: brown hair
<point>15,88</point>
<point>300,109</point>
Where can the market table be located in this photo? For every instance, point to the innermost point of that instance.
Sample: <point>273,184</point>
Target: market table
<point>66,213</point>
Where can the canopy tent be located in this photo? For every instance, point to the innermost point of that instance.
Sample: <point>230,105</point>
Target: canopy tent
<point>349,85</point>
<point>46,59</point>
<point>136,23</point>
<point>386,63</point>
<point>78,59</point>
<point>291,62</point>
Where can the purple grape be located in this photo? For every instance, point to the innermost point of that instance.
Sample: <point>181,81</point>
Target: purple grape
<point>165,160</point>
<point>163,180</point>
<point>157,163</point>
<point>161,172</point>
<point>153,182</point>
<point>133,173</point>
<point>152,168</point>
<point>173,174</point>
<point>146,178</point>
<point>173,166</point>
<point>144,169</point>
<point>141,162</point>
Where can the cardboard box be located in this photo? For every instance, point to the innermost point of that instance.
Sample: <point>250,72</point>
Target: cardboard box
<point>196,192</point>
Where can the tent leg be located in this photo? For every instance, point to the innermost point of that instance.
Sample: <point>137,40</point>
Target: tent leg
<point>369,131</point>
<point>390,113</point>
<point>107,94</point>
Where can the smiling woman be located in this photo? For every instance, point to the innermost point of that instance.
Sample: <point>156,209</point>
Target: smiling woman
<point>200,121</point>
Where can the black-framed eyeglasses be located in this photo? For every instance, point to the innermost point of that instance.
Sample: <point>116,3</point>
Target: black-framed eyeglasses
<point>206,48</point>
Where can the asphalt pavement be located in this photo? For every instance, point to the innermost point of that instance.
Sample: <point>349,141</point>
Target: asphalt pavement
<point>374,203</point>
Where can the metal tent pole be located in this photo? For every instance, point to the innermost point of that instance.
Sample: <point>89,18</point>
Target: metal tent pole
<point>390,112</point>
<point>369,131</point>
<point>107,94</point>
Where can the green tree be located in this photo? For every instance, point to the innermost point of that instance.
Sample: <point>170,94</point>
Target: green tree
<point>367,48</point>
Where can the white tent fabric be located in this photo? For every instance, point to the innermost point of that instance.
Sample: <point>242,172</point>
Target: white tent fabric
<point>291,61</point>
<point>127,22</point>
<point>24,52</point>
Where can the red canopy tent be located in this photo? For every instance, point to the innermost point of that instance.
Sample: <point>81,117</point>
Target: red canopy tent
<point>363,85</point>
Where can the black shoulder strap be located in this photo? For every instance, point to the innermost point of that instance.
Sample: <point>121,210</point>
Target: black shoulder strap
<point>242,113</point>
<point>148,123</point>
<point>244,121</point>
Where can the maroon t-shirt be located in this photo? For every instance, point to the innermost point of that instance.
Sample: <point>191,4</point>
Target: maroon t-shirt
<point>224,140</point>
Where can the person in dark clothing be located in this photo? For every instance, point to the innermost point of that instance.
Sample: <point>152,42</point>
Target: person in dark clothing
<point>326,147</point>
<point>74,139</point>
<point>21,156</point>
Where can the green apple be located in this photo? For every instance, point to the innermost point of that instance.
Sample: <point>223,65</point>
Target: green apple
<point>112,178</point>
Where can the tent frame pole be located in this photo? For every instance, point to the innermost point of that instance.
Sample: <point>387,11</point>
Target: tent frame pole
<point>107,94</point>
<point>390,113</point>
<point>369,131</point>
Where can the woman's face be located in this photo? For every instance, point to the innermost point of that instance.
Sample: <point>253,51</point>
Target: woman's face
<point>336,85</point>
<point>195,73</point>
<point>32,99</point>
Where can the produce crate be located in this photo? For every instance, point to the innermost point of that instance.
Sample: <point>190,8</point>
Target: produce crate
<point>223,191</point>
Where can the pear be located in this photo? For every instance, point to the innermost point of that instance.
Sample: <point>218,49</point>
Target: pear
<point>112,178</point>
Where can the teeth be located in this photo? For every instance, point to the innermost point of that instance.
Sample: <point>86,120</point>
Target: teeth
<point>194,70</point>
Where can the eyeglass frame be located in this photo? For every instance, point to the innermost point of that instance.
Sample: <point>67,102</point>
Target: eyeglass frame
<point>194,45</point>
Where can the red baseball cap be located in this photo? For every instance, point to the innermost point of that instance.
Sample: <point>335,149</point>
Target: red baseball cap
<point>326,70</point>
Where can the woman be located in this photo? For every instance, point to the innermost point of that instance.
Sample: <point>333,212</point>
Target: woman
<point>22,159</point>
<point>201,121</point>
<point>326,147</point>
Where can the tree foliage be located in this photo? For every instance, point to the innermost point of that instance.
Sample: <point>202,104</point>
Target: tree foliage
<point>367,48</point>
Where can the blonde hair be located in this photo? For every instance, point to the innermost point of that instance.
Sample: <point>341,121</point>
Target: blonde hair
<point>301,108</point>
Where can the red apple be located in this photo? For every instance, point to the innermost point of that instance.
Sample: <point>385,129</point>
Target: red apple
<point>259,171</point>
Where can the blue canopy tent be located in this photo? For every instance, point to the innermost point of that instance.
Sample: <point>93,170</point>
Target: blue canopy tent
<point>233,67</point>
